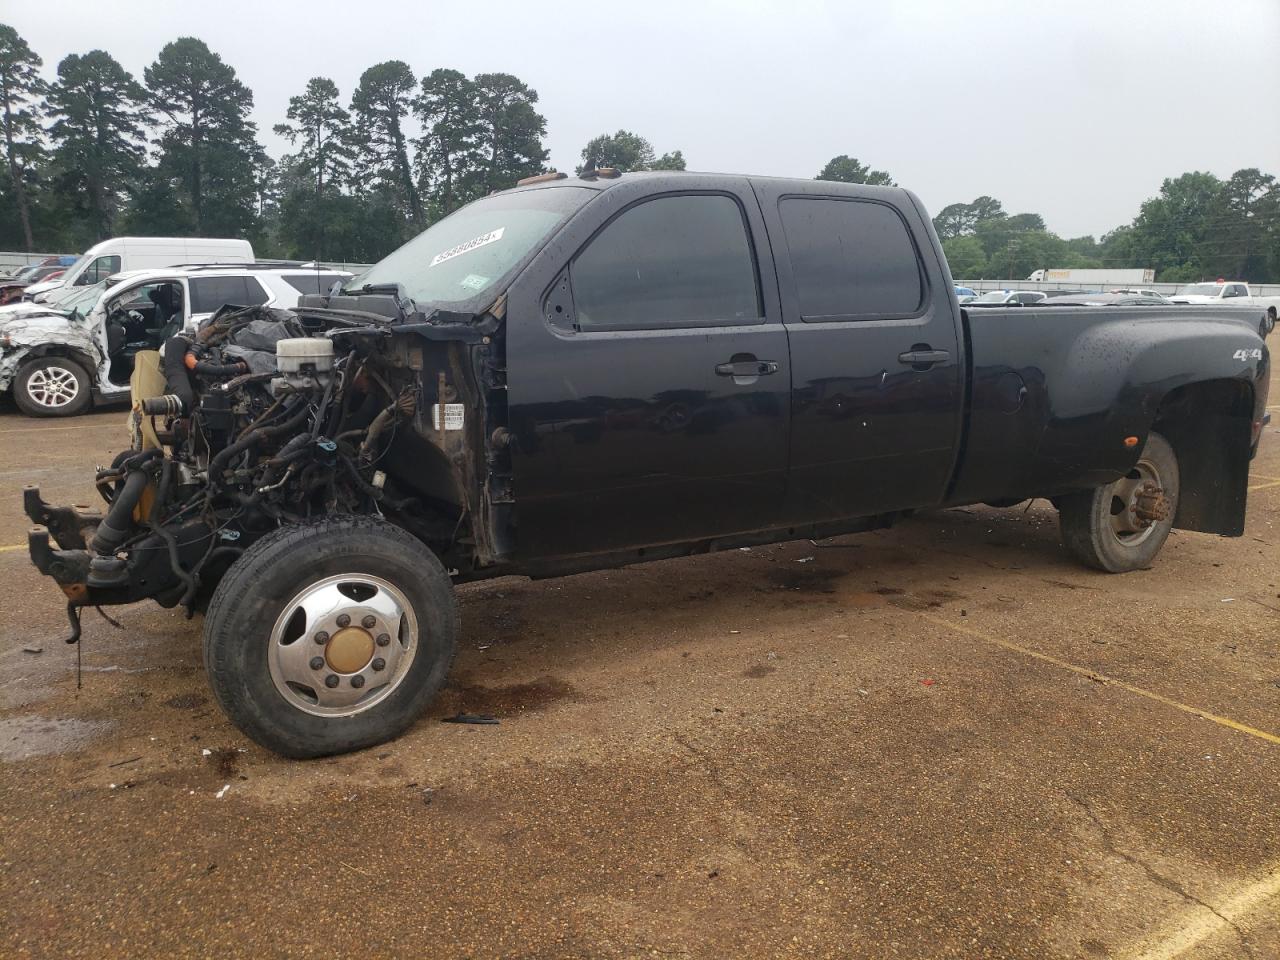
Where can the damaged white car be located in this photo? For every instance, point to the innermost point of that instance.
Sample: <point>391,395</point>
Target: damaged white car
<point>60,359</point>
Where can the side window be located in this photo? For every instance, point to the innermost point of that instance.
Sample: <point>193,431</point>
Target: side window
<point>677,261</point>
<point>852,259</point>
<point>99,270</point>
<point>210,293</point>
<point>1235,290</point>
<point>255,293</point>
<point>312,282</point>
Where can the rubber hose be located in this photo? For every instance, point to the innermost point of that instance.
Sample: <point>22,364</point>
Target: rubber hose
<point>115,527</point>
<point>176,378</point>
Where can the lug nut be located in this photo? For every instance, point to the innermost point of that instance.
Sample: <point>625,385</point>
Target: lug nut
<point>383,639</point>
<point>357,681</point>
<point>344,620</point>
<point>369,621</point>
<point>322,637</point>
<point>378,663</point>
<point>331,681</point>
<point>317,663</point>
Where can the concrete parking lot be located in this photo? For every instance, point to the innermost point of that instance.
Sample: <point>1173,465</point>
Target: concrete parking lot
<point>942,740</point>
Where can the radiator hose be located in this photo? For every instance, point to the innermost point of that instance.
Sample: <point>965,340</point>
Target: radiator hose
<point>115,527</point>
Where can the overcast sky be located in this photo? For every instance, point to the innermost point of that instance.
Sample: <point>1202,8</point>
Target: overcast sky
<point>1075,109</point>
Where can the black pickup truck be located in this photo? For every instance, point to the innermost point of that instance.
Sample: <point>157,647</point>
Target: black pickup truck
<point>579,373</point>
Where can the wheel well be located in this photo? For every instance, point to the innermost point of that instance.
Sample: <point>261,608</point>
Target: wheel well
<point>1208,425</point>
<point>65,352</point>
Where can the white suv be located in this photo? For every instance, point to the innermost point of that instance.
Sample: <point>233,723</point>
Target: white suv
<point>59,360</point>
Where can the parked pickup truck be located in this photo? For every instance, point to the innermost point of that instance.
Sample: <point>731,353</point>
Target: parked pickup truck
<point>582,373</point>
<point>1227,292</point>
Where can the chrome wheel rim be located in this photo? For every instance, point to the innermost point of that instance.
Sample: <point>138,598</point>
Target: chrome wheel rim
<point>342,645</point>
<point>53,387</point>
<point>1137,502</point>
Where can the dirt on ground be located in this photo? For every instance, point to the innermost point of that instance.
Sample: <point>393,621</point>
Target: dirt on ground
<point>942,740</point>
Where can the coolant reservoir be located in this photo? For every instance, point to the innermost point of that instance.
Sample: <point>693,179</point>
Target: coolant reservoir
<point>298,352</point>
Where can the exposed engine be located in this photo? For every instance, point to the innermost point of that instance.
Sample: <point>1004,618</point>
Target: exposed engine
<point>271,417</point>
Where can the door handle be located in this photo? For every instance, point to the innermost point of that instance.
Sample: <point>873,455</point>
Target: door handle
<point>747,368</point>
<point>921,356</point>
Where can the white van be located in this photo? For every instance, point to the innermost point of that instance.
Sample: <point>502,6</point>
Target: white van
<point>143,253</point>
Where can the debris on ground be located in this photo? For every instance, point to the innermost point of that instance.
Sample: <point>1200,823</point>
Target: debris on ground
<point>223,792</point>
<point>33,649</point>
<point>477,718</point>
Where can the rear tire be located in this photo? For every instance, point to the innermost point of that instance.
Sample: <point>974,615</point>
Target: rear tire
<point>52,387</point>
<point>1119,526</point>
<point>330,636</point>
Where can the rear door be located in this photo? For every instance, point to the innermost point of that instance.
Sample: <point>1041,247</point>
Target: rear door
<point>649,383</point>
<point>875,358</point>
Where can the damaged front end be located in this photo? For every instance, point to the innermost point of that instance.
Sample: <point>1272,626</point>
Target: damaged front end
<point>263,418</point>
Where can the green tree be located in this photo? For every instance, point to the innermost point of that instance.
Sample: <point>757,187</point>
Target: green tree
<point>1244,229</point>
<point>321,129</point>
<point>208,145</point>
<point>1171,231</point>
<point>965,257</point>
<point>510,132</point>
<point>20,89</point>
<point>626,151</point>
<point>98,139</point>
<point>986,208</point>
<point>448,155</point>
<point>847,169</point>
<point>674,160</point>
<point>381,102</point>
<point>954,220</point>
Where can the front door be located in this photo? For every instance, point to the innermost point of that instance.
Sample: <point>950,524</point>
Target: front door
<point>875,359</point>
<point>650,395</point>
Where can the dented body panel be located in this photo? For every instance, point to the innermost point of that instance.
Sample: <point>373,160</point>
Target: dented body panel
<point>33,331</point>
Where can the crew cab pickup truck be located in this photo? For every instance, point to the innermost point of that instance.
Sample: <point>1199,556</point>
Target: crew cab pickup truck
<point>579,373</point>
<point>1229,292</point>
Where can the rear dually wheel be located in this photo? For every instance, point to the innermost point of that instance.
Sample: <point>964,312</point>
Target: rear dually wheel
<point>1121,526</point>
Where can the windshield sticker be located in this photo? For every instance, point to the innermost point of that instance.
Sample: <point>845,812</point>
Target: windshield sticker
<point>493,236</point>
<point>473,281</point>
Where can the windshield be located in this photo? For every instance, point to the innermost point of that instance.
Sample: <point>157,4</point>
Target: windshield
<point>995,296</point>
<point>81,300</point>
<point>1203,290</point>
<point>469,251</point>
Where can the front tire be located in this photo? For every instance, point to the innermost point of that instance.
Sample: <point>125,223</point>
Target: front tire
<point>1121,526</point>
<point>52,387</point>
<point>330,636</point>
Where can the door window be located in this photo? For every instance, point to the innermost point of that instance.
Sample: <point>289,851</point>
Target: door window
<point>100,269</point>
<point>210,293</point>
<point>678,261</point>
<point>851,259</point>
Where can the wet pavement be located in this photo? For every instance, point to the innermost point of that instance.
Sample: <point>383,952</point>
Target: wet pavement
<point>942,740</point>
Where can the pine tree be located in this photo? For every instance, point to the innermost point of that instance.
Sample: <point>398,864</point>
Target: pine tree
<point>20,89</point>
<point>97,135</point>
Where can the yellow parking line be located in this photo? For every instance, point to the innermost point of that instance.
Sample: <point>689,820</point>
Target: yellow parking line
<point>15,546</point>
<point>1206,921</point>
<point>1263,486</point>
<point>1094,675</point>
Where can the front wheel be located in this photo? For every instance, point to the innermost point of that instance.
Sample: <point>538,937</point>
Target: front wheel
<point>52,387</point>
<point>330,636</point>
<point>1121,526</point>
